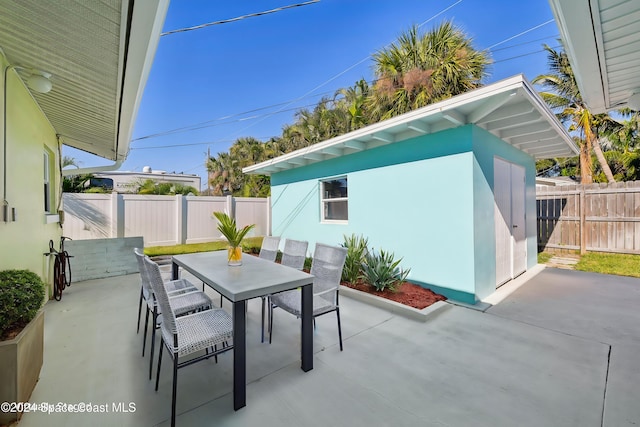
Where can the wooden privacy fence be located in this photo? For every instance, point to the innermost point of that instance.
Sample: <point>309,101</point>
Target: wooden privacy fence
<point>597,217</point>
<point>160,220</point>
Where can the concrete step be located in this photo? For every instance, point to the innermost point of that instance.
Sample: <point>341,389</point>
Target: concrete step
<point>563,262</point>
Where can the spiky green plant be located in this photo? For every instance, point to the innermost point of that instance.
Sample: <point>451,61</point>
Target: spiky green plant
<point>382,271</point>
<point>227,226</point>
<point>356,251</point>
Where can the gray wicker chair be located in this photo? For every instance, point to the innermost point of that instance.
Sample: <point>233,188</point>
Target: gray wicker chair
<point>293,255</point>
<point>327,265</point>
<point>173,286</point>
<point>183,336</point>
<point>269,248</point>
<point>184,296</point>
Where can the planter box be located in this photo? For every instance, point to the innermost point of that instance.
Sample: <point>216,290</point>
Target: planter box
<point>20,363</point>
<point>392,306</point>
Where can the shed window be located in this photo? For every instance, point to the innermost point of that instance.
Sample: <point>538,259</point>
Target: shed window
<point>334,199</point>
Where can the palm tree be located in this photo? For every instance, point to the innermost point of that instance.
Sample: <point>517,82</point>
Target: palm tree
<point>417,70</point>
<point>353,101</point>
<point>564,96</point>
<point>625,141</point>
<point>70,161</point>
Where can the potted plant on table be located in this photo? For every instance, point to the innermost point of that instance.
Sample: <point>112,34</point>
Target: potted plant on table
<point>227,226</point>
<point>21,337</point>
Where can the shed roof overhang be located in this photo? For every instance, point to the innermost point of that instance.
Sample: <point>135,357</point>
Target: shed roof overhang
<point>510,109</point>
<point>602,40</point>
<point>99,54</point>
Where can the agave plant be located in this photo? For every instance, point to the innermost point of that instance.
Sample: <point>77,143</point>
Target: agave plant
<point>382,271</point>
<point>227,226</point>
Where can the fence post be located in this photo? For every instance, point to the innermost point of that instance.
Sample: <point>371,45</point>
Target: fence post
<point>583,222</point>
<point>181,217</point>
<point>268,215</point>
<point>117,215</point>
<point>231,207</point>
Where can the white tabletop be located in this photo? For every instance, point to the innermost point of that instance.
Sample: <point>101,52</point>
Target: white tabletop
<point>254,278</point>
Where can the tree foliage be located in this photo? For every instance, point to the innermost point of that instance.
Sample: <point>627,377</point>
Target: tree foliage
<point>420,69</point>
<point>416,70</point>
<point>149,186</point>
<point>563,95</point>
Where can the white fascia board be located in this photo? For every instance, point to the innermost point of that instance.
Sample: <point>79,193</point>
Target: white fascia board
<point>146,25</point>
<point>576,24</point>
<point>399,123</point>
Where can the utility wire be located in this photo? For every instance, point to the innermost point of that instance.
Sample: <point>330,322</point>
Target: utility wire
<point>226,21</point>
<point>524,43</point>
<point>309,93</point>
<point>219,121</point>
<point>341,73</point>
<point>520,34</point>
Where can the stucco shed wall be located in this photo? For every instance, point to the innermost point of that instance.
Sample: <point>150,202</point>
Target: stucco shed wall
<point>414,198</point>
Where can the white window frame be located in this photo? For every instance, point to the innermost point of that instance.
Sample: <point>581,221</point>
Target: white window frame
<point>47,182</point>
<point>324,200</point>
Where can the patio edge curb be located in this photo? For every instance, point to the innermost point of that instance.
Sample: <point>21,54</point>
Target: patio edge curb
<point>392,306</point>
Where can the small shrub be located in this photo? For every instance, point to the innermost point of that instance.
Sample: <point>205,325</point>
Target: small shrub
<point>382,271</point>
<point>307,264</point>
<point>21,296</point>
<point>356,252</point>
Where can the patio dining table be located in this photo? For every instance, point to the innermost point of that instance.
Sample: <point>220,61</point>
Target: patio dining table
<point>254,278</point>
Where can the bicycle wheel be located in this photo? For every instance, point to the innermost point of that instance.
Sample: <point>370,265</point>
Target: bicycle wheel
<point>57,291</point>
<point>67,268</point>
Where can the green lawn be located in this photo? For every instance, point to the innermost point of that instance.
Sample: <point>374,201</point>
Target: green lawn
<point>619,264</point>
<point>250,244</point>
<point>605,263</point>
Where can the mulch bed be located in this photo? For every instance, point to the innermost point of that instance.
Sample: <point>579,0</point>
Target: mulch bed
<point>407,293</point>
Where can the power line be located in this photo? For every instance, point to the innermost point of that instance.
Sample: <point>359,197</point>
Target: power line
<point>250,15</point>
<point>345,71</point>
<point>184,129</point>
<point>219,121</point>
<point>520,34</point>
<point>524,43</point>
<point>524,54</point>
<point>211,123</point>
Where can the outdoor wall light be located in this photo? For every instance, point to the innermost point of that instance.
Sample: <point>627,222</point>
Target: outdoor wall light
<point>39,81</point>
<point>634,101</point>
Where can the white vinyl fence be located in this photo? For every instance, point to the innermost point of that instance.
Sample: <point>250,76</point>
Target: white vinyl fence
<point>160,220</point>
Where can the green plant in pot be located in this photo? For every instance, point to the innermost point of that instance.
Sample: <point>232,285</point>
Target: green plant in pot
<point>21,337</point>
<point>227,226</point>
<point>21,296</point>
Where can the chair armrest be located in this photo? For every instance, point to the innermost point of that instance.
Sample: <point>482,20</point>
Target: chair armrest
<point>326,291</point>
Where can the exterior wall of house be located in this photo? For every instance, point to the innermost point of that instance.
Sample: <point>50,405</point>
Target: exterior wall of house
<point>415,198</point>
<point>485,147</point>
<point>29,135</point>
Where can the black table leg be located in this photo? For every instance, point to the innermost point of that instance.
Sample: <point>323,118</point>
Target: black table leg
<point>307,328</point>
<point>174,271</point>
<point>239,355</point>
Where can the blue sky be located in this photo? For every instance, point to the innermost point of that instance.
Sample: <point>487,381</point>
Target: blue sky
<point>247,78</point>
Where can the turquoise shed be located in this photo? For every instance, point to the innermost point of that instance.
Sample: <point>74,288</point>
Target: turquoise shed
<point>449,187</point>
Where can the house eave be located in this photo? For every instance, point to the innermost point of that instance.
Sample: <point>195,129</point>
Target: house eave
<point>98,54</point>
<point>602,41</point>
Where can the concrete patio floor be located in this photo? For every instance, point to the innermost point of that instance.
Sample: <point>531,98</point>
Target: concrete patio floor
<point>561,350</point>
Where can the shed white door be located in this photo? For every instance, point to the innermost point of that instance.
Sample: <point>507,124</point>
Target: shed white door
<point>509,196</point>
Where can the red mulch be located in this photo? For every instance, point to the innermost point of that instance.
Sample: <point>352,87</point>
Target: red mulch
<point>407,293</point>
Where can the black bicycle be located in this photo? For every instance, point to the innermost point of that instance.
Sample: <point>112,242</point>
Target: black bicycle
<point>61,268</point>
